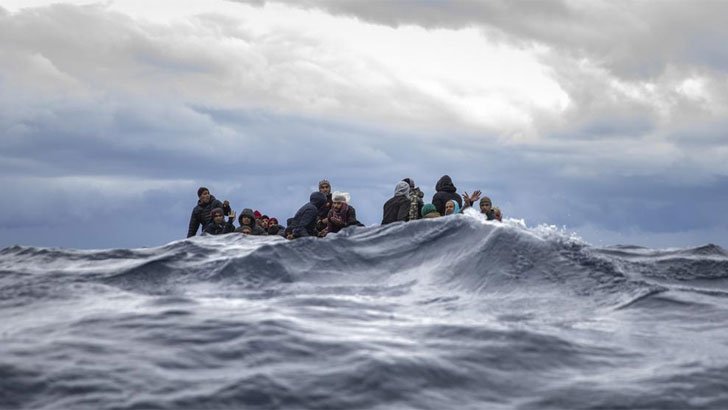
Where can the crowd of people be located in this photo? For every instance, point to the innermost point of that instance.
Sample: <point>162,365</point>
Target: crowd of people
<point>329,212</point>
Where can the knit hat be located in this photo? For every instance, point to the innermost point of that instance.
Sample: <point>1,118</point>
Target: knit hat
<point>341,197</point>
<point>428,208</point>
<point>265,217</point>
<point>272,220</point>
<point>200,190</point>
<point>257,214</point>
<point>324,182</point>
<point>484,200</point>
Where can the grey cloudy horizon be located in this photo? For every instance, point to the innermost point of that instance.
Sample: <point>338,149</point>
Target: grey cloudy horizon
<point>606,118</point>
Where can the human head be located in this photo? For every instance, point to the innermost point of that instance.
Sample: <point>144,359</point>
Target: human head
<point>247,230</point>
<point>318,199</point>
<point>429,211</point>
<point>411,182</point>
<point>203,194</point>
<point>339,199</point>
<point>264,221</point>
<point>497,214</point>
<point>485,205</point>
<point>451,207</point>
<point>247,217</point>
<point>325,186</point>
<point>272,222</point>
<point>402,189</point>
<point>217,215</point>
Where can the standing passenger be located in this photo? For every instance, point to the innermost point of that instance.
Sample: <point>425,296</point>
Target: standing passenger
<point>201,213</point>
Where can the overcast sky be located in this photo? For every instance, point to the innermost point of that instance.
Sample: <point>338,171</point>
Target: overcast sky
<point>608,118</point>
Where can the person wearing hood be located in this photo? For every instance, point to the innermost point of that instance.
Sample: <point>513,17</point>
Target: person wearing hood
<point>201,213</point>
<point>397,208</point>
<point>451,207</point>
<point>218,226</point>
<point>416,202</point>
<point>445,192</point>
<point>341,214</point>
<point>304,222</point>
<point>247,218</point>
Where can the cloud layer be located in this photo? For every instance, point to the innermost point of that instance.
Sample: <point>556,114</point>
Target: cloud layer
<point>610,117</point>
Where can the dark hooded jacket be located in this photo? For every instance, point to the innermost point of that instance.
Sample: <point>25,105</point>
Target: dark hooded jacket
<point>255,229</point>
<point>201,215</point>
<point>218,229</point>
<point>445,192</point>
<point>397,208</point>
<point>304,222</point>
<point>338,220</point>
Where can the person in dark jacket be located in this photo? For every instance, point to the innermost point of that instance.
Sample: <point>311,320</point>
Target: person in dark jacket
<point>247,218</point>
<point>416,202</point>
<point>445,192</point>
<point>274,228</point>
<point>397,208</point>
<point>218,226</point>
<point>304,222</point>
<point>202,211</point>
<point>324,188</point>
<point>486,208</point>
<point>341,214</point>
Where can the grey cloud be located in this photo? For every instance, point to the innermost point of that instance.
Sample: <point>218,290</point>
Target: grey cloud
<point>112,104</point>
<point>635,39</point>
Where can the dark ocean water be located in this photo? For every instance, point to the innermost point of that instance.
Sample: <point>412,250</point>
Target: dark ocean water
<point>453,313</point>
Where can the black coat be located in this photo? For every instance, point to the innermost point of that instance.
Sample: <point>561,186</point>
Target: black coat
<point>304,222</point>
<point>396,209</point>
<point>219,229</point>
<point>445,191</point>
<point>201,215</point>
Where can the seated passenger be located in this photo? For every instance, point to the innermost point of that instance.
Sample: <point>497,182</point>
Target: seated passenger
<point>247,218</point>
<point>486,208</point>
<point>274,228</point>
<point>445,192</point>
<point>397,208</point>
<point>202,211</point>
<point>263,222</point>
<point>497,215</point>
<point>304,222</point>
<point>218,225</point>
<point>452,207</point>
<point>325,188</point>
<point>429,211</point>
<point>341,214</point>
